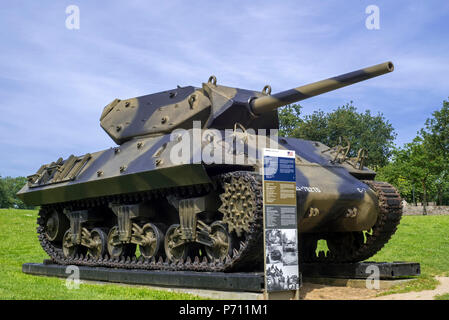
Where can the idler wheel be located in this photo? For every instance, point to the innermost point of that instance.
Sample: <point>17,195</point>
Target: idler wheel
<point>116,248</point>
<point>175,248</point>
<point>55,226</point>
<point>70,249</point>
<point>222,240</point>
<point>99,243</point>
<point>153,240</point>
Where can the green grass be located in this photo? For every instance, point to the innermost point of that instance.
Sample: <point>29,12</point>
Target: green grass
<point>442,297</point>
<point>423,239</point>
<point>19,244</point>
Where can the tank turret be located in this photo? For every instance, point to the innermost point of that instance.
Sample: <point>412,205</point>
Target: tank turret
<point>216,106</point>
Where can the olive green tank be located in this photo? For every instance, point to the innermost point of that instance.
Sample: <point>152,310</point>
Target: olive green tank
<point>182,190</point>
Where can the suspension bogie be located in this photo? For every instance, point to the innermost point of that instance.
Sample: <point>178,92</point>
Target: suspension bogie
<point>170,228</point>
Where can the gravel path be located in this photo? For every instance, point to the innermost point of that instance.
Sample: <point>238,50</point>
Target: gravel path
<point>311,291</point>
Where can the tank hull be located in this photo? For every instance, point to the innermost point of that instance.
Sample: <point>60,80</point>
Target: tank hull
<point>146,164</point>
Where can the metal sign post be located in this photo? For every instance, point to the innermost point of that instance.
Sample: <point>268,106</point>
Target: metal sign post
<point>282,277</point>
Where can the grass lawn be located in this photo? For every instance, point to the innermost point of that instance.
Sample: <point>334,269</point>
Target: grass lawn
<point>423,239</point>
<point>19,244</point>
<point>442,297</point>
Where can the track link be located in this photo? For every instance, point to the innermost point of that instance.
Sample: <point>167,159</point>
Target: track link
<point>390,214</point>
<point>249,254</point>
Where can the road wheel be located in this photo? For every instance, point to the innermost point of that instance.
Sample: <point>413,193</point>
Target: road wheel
<point>99,243</point>
<point>117,248</point>
<point>153,241</point>
<point>222,240</point>
<point>175,248</point>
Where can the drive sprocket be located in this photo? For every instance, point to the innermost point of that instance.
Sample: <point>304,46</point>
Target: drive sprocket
<point>238,204</point>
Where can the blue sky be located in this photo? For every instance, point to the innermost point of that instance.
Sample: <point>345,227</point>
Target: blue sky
<point>54,82</point>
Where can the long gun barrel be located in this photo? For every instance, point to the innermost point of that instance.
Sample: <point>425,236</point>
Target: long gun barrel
<point>271,102</point>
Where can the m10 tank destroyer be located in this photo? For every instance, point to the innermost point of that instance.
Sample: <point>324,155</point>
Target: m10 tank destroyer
<point>183,188</point>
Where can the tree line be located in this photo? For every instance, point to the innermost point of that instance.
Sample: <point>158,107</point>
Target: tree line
<point>418,169</point>
<point>8,188</point>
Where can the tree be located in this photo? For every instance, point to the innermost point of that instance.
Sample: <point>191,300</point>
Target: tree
<point>3,195</point>
<point>8,192</point>
<point>436,136</point>
<point>417,164</point>
<point>436,131</point>
<point>393,173</point>
<point>424,165</point>
<point>314,127</point>
<point>442,185</point>
<point>289,119</point>
<point>363,130</point>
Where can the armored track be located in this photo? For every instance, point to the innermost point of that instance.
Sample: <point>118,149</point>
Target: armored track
<point>359,246</point>
<point>390,205</point>
<point>247,256</point>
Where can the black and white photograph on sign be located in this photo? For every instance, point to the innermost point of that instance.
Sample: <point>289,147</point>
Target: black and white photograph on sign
<point>273,239</point>
<point>281,259</point>
<point>273,245</point>
<point>280,277</point>
<point>289,248</point>
<point>291,277</point>
<point>275,277</point>
<point>274,254</point>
